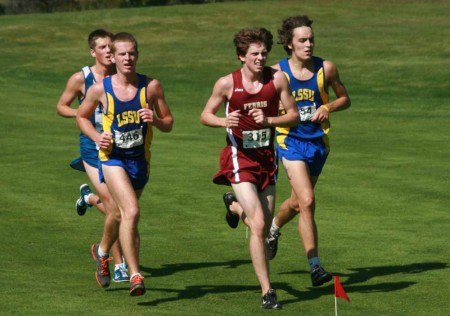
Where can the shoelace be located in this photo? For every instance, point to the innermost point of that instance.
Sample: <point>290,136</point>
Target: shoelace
<point>272,238</point>
<point>104,262</point>
<point>269,297</point>
<point>137,279</point>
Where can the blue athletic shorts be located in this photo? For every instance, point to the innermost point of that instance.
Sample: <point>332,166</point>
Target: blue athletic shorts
<point>89,151</point>
<point>89,154</point>
<point>312,151</point>
<point>137,170</point>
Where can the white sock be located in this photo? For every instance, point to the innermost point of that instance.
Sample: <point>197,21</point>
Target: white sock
<point>134,274</point>
<point>314,261</point>
<point>274,229</point>
<point>101,253</point>
<point>86,199</point>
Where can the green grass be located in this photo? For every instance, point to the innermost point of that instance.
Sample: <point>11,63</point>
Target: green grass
<point>382,200</point>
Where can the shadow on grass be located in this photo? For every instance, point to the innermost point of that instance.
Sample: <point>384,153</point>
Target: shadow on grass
<point>198,291</point>
<point>354,283</point>
<point>359,276</point>
<point>169,269</point>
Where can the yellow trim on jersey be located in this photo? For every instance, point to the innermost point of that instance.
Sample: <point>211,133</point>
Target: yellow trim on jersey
<point>287,77</point>
<point>143,98</point>
<point>280,140</point>
<point>324,95</point>
<point>107,120</point>
<point>321,86</point>
<point>108,117</point>
<point>149,136</point>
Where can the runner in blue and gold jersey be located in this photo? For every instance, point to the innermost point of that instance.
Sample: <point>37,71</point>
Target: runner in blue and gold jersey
<point>76,88</point>
<point>303,149</point>
<point>131,135</point>
<point>132,105</point>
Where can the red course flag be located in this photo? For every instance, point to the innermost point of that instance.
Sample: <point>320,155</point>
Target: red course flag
<point>339,290</point>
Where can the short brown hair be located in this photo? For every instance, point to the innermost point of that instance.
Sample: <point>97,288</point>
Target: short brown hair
<point>286,32</point>
<point>245,37</point>
<point>123,37</point>
<point>96,34</point>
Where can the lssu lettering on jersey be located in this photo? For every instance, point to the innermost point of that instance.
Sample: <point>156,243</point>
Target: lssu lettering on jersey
<point>303,95</point>
<point>128,117</point>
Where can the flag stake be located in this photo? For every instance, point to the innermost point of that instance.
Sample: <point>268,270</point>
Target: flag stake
<point>339,292</point>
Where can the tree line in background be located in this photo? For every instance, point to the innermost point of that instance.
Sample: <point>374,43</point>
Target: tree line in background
<point>49,6</point>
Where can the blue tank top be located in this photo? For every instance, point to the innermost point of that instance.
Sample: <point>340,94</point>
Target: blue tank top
<point>309,95</point>
<point>89,80</point>
<point>131,136</point>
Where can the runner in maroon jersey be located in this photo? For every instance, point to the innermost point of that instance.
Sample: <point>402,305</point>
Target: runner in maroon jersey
<point>251,96</point>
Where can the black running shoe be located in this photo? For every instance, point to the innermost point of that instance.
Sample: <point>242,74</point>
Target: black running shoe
<point>232,219</point>
<point>269,300</point>
<point>272,245</point>
<point>81,205</point>
<point>102,274</point>
<point>319,276</point>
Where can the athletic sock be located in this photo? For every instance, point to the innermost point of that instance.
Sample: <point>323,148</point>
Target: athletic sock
<point>101,253</point>
<point>134,274</point>
<point>86,199</point>
<point>314,261</point>
<point>274,229</point>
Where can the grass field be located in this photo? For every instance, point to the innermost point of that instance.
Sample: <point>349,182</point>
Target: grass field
<point>382,200</point>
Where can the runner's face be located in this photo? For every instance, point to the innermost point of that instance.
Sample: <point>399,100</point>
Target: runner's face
<point>102,51</point>
<point>302,43</point>
<point>125,57</point>
<point>256,57</point>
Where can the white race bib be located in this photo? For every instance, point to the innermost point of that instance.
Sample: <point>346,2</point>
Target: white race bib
<point>256,139</point>
<point>128,139</point>
<point>307,112</point>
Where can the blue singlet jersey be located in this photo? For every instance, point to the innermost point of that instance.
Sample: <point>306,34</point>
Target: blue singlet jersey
<point>88,148</point>
<point>131,136</point>
<point>309,95</point>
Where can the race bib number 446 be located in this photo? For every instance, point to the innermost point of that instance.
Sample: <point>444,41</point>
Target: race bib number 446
<point>256,139</point>
<point>128,139</point>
